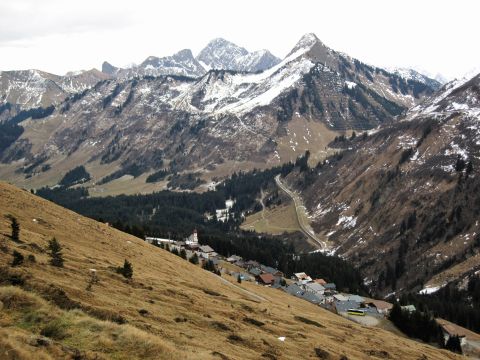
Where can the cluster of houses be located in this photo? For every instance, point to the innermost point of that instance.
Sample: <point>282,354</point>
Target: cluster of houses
<point>254,271</point>
<point>316,291</point>
<point>324,294</point>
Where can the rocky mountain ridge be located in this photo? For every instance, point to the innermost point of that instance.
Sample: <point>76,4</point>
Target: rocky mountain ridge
<point>26,89</point>
<point>244,120</point>
<point>219,54</point>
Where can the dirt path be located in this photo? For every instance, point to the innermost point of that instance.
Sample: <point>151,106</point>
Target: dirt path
<point>305,228</point>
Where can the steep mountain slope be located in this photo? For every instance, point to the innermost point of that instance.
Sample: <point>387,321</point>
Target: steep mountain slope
<point>408,192</point>
<point>244,120</point>
<point>170,309</point>
<point>221,54</point>
<point>33,88</point>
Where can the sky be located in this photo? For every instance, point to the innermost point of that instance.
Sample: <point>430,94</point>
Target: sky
<point>59,36</point>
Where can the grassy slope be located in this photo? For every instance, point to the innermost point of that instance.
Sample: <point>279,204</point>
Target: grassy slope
<point>192,314</point>
<point>276,220</point>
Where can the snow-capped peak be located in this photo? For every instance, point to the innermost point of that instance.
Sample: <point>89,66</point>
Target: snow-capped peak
<point>306,42</point>
<point>224,55</point>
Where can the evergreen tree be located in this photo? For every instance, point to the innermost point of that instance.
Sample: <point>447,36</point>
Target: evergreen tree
<point>194,259</point>
<point>239,279</point>
<point>210,266</point>
<point>17,258</point>
<point>183,254</point>
<point>55,251</point>
<point>126,270</point>
<point>15,226</point>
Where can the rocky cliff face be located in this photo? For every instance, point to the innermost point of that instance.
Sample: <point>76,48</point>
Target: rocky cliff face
<point>403,202</point>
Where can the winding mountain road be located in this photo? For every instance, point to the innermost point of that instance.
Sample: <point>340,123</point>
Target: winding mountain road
<point>305,228</point>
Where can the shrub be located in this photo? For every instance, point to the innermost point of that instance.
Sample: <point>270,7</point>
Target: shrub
<point>31,258</point>
<point>143,312</point>
<point>55,329</point>
<point>17,258</point>
<point>308,321</point>
<point>235,338</point>
<point>322,354</point>
<point>253,321</point>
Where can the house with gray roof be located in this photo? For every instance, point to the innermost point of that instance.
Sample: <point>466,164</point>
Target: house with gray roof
<point>314,288</point>
<point>294,290</point>
<point>340,297</point>
<point>330,286</point>
<point>271,270</point>
<point>255,271</point>
<point>313,298</point>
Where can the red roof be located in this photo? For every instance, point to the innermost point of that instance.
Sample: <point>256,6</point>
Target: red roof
<point>320,281</point>
<point>266,278</point>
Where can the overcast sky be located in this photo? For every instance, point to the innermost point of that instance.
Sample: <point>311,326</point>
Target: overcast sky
<point>59,36</point>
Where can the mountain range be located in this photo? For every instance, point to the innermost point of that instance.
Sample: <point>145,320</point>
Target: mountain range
<point>219,54</point>
<point>218,122</point>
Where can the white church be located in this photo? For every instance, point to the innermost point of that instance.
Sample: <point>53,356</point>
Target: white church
<point>192,240</point>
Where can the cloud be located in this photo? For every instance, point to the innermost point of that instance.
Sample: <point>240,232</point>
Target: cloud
<point>23,21</point>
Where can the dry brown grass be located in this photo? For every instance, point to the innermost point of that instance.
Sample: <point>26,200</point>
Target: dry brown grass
<point>183,316</point>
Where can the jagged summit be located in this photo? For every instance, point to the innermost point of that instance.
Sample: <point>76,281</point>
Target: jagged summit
<point>225,55</point>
